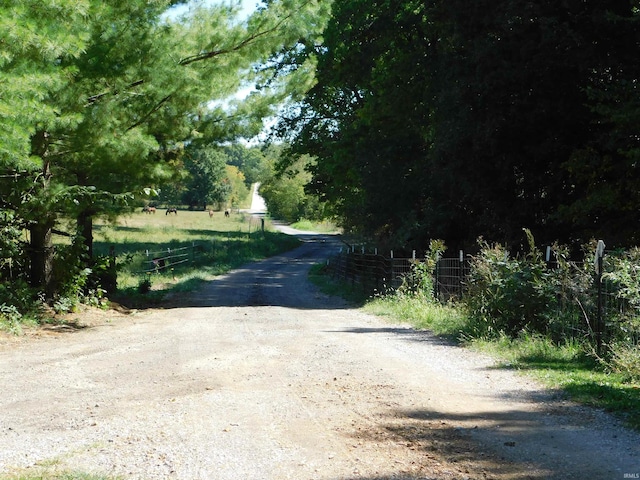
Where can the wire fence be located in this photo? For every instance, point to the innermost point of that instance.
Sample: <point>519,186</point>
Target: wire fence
<point>375,272</point>
<point>169,258</point>
<point>588,306</point>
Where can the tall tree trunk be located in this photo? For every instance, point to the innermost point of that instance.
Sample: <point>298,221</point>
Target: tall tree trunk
<point>85,229</point>
<point>41,245</point>
<point>41,256</point>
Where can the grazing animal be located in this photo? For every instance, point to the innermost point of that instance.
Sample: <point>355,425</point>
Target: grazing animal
<point>210,213</point>
<point>226,212</point>
<point>149,209</point>
<point>172,210</point>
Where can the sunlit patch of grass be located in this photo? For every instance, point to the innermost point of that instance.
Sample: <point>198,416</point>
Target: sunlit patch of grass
<point>221,244</point>
<point>311,226</point>
<point>420,312</point>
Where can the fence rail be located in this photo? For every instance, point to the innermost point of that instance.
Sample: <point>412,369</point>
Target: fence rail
<point>168,258</point>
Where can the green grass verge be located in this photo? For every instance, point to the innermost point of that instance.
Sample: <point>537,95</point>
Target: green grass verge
<point>443,320</point>
<point>570,368</point>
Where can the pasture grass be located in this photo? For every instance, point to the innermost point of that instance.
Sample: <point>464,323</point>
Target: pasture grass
<point>211,246</point>
<point>571,368</point>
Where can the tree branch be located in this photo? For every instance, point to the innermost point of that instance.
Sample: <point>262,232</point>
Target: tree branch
<point>94,98</point>
<point>150,112</point>
<point>214,53</point>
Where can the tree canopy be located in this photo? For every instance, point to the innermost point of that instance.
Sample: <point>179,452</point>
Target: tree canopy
<point>101,98</point>
<point>409,120</point>
<point>445,119</point>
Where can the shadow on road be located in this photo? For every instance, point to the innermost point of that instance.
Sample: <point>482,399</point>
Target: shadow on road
<point>278,281</point>
<point>514,444</point>
<point>407,333</point>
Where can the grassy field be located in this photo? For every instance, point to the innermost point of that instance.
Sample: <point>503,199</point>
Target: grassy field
<point>208,246</point>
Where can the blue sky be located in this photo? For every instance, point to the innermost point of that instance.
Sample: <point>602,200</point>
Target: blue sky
<point>247,6</point>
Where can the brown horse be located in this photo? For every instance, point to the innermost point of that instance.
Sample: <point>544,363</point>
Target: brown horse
<point>148,209</point>
<point>210,213</point>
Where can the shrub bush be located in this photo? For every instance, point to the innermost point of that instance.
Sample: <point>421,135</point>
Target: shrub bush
<point>420,279</point>
<point>623,274</point>
<point>144,286</point>
<point>10,318</point>
<point>508,295</point>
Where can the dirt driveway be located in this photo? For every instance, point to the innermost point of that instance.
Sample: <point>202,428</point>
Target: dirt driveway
<point>259,376</point>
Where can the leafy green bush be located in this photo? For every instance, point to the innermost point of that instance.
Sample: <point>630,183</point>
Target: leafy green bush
<point>19,305</point>
<point>623,273</point>
<point>144,286</point>
<point>10,318</point>
<point>104,274</point>
<point>75,283</point>
<point>624,358</point>
<point>623,322</point>
<point>508,295</point>
<point>420,280</point>
<point>19,295</point>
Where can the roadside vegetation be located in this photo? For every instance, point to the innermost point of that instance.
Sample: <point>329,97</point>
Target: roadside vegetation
<point>325,226</point>
<point>213,244</point>
<point>520,312</point>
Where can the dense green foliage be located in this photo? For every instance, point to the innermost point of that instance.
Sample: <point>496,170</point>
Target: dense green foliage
<point>285,196</point>
<point>252,162</point>
<point>507,295</point>
<point>444,119</point>
<point>100,100</point>
<point>207,183</point>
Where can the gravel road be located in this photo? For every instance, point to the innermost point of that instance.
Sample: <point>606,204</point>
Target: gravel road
<point>260,376</point>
